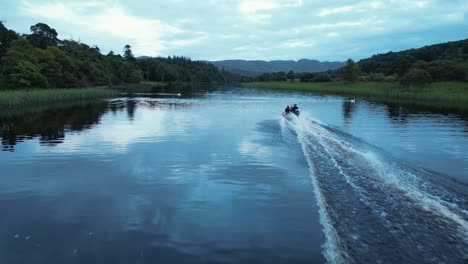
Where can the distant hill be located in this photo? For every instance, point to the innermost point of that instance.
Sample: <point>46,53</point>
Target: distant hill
<point>258,67</point>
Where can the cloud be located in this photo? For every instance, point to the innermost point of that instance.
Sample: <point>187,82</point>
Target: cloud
<point>335,10</point>
<point>255,11</point>
<point>263,29</point>
<point>296,43</point>
<point>147,35</point>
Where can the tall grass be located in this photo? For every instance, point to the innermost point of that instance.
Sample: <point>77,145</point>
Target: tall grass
<point>37,97</point>
<point>449,95</point>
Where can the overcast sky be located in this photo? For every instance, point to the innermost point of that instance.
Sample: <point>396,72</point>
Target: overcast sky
<point>263,29</point>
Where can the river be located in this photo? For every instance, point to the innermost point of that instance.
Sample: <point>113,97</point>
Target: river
<point>219,176</point>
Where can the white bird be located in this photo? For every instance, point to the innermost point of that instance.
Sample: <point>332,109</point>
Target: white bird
<point>353,100</point>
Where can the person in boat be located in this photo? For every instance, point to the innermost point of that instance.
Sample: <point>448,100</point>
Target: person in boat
<point>287,110</point>
<point>295,109</point>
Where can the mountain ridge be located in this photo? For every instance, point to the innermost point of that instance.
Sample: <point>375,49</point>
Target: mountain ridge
<point>254,68</point>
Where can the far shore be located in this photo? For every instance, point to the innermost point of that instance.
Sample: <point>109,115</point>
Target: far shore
<point>443,95</point>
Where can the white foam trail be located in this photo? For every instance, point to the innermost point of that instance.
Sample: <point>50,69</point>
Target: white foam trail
<point>331,247</point>
<point>425,200</point>
<point>386,175</point>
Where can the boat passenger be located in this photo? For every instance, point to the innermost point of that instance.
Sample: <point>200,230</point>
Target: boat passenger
<point>294,108</point>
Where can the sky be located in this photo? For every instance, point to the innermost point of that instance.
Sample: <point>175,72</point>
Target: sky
<point>329,30</point>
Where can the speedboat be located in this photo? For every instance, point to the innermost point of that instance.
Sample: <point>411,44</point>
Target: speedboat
<point>286,115</point>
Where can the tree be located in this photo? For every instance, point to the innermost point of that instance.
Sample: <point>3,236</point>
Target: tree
<point>26,74</point>
<point>416,77</point>
<point>6,38</point>
<point>465,47</point>
<point>351,71</point>
<point>111,53</point>
<point>20,66</point>
<point>60,69</point>
<point>128,55</point>
<point>402,65</point>
<point>43,36</point>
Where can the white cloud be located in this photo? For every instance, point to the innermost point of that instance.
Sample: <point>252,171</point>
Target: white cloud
<point>375,5</point>
<point>148,36</point>
<point>335,10</point>
<point>323,26</point>
<point>296,43</point>
<point>263,29</point>
<point>456,17</point>
<point>255,11</point>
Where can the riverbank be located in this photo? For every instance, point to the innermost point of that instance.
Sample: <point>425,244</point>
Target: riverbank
<point>447,95</point>
<point>36,97</point>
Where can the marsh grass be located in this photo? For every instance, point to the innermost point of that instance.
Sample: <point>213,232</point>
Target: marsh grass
<point>447,95</point>
<point>38,97</point>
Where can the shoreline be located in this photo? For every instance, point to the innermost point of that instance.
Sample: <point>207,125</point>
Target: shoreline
<point>37,97</point>
<point>444,95</point>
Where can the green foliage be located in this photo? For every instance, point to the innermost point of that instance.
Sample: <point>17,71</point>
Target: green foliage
<point>6,38</point>
<point>465,47</point>
<point>183,69</point>
<point>42,60</point>
<point>38,97</point>
<point>58,67</point>
<point>402,64</point>
<point>377,77</point>
<point>322,78</point>
<point>128,55</point>
<point>444,62</point>
<point>416,77</point>
<point>26,74</point>
<point>20,67</point>
<point>453,95</point>
<point>43,36</point>
<point>351,71</point>
<point>391,78</point>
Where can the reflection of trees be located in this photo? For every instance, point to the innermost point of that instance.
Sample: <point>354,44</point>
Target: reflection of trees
<point>397,113</point>
<point>131,107</point>
<point>348,110</point>
<point>50,125</point>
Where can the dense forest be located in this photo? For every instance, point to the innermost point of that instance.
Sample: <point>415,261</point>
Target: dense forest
<point>435,63</point>
<point>42,60</point>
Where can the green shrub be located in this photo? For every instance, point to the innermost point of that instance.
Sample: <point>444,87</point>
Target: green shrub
<point>416,77</point>
<point>322,78</point>
<point>377,77</point>
<point>391,78</point>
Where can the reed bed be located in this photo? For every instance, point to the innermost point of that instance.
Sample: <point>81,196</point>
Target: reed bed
<point>448,95</point>
<point>37,97</point>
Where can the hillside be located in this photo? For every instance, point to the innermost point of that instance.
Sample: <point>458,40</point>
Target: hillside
<point>258,67</point>
<point>449,54</point>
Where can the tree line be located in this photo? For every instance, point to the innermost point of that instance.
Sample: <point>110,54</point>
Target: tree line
<point>435,63</point>
<point>42,60</point>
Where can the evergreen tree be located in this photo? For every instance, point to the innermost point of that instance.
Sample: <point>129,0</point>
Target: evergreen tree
<point>128,55</point>
<point>351,71</point>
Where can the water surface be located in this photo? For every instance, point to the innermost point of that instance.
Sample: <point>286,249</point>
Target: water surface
<point>218,176</point>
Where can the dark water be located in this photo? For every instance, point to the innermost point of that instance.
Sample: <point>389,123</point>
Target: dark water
<point>221,177</point>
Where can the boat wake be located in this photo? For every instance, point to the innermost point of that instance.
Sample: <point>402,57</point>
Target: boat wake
<point>374,208</point>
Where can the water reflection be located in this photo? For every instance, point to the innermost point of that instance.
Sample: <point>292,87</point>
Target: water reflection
<point>398,114</point>
<point>49,126</point>
<point>348,110</point>
<point>210,178</point>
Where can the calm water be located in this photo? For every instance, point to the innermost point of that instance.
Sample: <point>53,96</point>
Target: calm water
<point>221,177</point>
